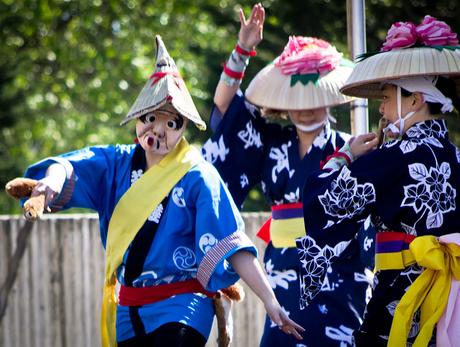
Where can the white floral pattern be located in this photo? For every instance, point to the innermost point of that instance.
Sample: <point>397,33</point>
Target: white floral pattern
<point>343,334</point>
<point>244,180</point>
<point>432,195</point>
<point>212,151</point>
<point>416,200</point>
<point>135,175</point>
<point>315,262</point>
<point>293,196</point>
<point>156,214</point>
<point>346,198</point>
<point>282,161</point>
<point>279,278</point>
<point>250,136</point>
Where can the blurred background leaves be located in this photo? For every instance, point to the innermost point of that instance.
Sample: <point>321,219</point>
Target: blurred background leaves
<point>69,70</point>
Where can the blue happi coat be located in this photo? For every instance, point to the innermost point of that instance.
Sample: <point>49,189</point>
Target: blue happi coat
<point>247,150</point>
<point>199,229</point>
<point>407,185</point>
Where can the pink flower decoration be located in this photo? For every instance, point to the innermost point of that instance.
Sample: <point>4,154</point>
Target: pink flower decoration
<point>432,32</point>
<point>306,55</point>
<point>400,35</point>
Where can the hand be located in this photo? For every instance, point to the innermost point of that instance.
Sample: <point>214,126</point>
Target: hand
<point>280,318</point>
<point>44,187</point>
<point>363,144</point>
<point>251,30</point>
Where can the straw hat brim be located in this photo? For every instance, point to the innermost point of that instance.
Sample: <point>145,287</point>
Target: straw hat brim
<point>367,76</point>
<point>270,88</point>
<point>169,87</point>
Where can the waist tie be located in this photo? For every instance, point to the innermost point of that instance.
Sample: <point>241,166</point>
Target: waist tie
<point>131,296</point>
<point>284,226</point>
<point>430,291</point>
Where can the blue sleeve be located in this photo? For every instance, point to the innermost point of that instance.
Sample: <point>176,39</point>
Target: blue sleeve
<point>219,232</point>
<point>236,148</point>
<point>91,176</point>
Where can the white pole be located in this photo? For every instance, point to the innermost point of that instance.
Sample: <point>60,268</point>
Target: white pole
<point>359,109</point>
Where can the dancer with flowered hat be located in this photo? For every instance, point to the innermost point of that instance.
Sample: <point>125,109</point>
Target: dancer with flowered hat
<point>173,235</point>
<point>247,149</point>
<point>408,186</point>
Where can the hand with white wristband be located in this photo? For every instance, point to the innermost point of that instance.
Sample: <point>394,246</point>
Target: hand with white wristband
<point>251,30</point>
<point>51,185</point>
<point>40,194</point>
<point>250,35</point>
<point>351,150</point>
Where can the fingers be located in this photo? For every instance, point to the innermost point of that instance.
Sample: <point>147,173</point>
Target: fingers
<point>366,137</point>
<point>292,330</point>
<point>257,15</point>
<point>242,18</point>
<point>366,141</point>
<point>33,208</point>
<point>253,15</point>
<point>290,327</point>
<point>262,15</point>
<point>373,144</point>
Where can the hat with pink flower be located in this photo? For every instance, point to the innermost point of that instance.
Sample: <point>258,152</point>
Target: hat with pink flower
<point>428,49</point>
<point>307,75</point>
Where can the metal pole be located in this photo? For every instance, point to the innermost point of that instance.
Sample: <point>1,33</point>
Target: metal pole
<point>359,110</point>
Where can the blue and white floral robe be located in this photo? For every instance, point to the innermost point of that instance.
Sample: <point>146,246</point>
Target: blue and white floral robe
<point>247,150</point>
<point>200,228</point>
<point>407,185</point>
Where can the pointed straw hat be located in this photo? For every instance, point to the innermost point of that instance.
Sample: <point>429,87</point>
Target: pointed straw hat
<point>163,88</point>
<point>307,75</point>
<point>396,61</point>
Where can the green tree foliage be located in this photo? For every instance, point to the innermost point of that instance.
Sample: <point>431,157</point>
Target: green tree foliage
<point>69,70</point>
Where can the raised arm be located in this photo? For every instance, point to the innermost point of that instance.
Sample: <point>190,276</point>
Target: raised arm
<point>250,35</point>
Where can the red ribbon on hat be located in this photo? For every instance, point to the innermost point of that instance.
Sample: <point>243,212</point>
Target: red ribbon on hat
<point>156,76</point>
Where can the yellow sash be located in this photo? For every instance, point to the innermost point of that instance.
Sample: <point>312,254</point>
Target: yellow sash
<point>284,232</point>
<point>128,217</point>
<point>429,292</point>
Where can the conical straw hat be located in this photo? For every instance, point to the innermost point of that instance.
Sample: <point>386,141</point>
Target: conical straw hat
<point>165,86</point>
<point>365,80</point>
<point>301,85</point>
<point>429,49</point>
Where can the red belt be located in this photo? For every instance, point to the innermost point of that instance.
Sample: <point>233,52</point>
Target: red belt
<point>131,296</point>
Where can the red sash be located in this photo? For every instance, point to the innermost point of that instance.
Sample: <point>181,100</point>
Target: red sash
<point>131,296</point>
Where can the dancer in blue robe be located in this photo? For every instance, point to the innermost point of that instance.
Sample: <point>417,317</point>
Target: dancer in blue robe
<point>171,256</point>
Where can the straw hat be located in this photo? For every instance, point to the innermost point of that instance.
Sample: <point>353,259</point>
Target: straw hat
<point>395,62</point>
<point>165,86</point>
<point>307,75</point>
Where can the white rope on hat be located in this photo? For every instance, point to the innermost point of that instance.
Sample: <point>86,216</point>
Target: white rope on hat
<point>422,84</point>
<point>426,86</point>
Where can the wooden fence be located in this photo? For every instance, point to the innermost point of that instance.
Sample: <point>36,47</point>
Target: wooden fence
<point>56,296</point>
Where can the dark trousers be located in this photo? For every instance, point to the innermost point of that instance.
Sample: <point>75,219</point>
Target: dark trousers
<point>168,335</point>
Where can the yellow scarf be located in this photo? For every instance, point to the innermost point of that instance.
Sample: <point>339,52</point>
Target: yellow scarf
<point>134,207</point>
<point>429,292</point>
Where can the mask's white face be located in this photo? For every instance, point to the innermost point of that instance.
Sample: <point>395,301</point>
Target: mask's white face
<point>309,120</point>
<point>158,132</point>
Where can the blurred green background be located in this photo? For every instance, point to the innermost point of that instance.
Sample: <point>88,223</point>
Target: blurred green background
<point>69,70</point>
